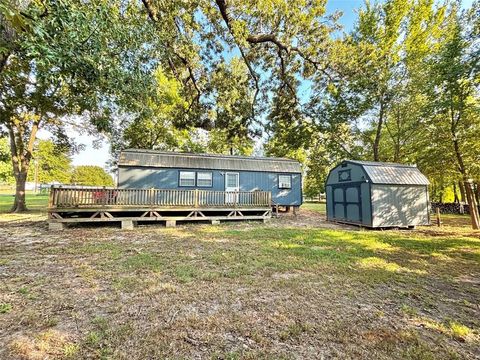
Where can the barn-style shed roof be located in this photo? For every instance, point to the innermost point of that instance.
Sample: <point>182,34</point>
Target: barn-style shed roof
<point>160,159</point>
<point>392,173</point>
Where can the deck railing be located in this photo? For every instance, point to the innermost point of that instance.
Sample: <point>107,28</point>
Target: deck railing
<point>71,197</point>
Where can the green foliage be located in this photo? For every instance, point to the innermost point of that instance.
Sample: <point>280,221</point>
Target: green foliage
<point>6,172</point>
<point>225,76</point>
<point>160,125</point>
<point>453,77</point>
<point>68,58</point>
<point>51,163</point>
<point>154,128</point>
<point>91,176</point>
<point>395,84</point>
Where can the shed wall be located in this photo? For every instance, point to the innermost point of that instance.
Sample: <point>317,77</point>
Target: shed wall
<point>161,178</point>
<point>366,204</point>
<point>397,205</point>
<point>351,189</point>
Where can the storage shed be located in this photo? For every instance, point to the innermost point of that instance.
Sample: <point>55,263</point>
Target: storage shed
<point>377,195</point>
<point>175,170</point>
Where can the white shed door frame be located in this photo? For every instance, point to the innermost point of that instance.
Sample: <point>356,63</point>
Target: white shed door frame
<point>232,186</point>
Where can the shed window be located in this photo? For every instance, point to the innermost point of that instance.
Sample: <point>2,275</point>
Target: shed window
<point>186,178</point>
<point>204,179</point>
<point>344,175</point>
<point>284,181</point>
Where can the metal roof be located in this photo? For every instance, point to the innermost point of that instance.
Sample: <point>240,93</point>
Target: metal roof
<point>392,173</point>
<point>160,159</point>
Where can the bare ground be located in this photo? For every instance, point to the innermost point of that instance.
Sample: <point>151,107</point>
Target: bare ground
<point>295,288</point>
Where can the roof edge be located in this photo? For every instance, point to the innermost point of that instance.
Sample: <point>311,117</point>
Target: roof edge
<point>379,163</point>
<point>190,154</point>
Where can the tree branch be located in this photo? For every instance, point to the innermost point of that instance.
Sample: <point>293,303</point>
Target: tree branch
<point>152,12</point>
<point>222,6</point>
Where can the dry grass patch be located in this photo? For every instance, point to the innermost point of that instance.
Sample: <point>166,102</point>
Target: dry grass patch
<point>239,291</point>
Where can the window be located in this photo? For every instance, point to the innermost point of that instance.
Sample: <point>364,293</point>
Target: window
<point>284,181</point>
<point>204,179</point>
<point>231,182</point>
<point>186,178</point>
<point>344,175</point>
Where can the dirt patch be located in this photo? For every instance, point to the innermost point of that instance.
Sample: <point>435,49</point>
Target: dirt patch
<point>309,219</point>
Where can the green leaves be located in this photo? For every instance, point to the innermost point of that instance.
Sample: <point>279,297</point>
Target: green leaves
<point>91,176</point>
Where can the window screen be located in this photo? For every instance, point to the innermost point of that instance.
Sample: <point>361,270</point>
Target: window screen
<point>204,179</point>
<point>284,182</point>
<point>187,178</point>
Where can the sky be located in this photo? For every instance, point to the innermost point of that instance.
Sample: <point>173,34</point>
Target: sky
<point>100,155</point>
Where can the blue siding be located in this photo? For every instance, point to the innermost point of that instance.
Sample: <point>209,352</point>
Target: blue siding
<point>142,177</point>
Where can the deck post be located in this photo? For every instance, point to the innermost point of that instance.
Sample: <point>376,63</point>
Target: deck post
<point>128,224</point>
<point>170,223</point>
<point>50,197</point>
<point>195,194</point>
<point>56,226</point>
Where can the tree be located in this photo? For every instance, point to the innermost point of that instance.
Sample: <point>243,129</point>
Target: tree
<point>262,45</point>
<point>454,123</point>
<point>159,126</point>
<point>154,128</point>
<point>52,163</point>
<point>61,59</point>
<point>91,176</point>
<point>231,118</point>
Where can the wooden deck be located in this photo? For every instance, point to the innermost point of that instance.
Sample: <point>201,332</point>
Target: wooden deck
<point>129,206</point>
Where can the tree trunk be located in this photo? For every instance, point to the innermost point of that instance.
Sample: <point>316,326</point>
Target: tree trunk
<point>478,192</point>
<point>463,197</point>
<point>455,193</point>
<point>472,205</point>
<point>21,156</point>
<point>376,143</point>
<point>19,205</point>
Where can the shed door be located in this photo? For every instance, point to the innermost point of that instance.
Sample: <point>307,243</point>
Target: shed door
<point>232,186</point>
<point>347,203</point>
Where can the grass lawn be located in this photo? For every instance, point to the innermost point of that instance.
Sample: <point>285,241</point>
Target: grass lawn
<point>35,202</point>
<point>315,206</point>
<point>238,291</point>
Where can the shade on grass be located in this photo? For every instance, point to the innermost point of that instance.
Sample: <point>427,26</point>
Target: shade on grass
<point>34,202</point>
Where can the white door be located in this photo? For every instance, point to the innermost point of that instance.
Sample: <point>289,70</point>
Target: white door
<point>232,187</point>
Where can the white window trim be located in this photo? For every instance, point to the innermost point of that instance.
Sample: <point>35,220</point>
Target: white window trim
<point>211,178</point>
<point>180,178</point>
<point>237,185</point>
<point>281,183</point>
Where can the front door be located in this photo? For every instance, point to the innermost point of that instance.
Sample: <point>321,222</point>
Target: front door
<point>232,187</point>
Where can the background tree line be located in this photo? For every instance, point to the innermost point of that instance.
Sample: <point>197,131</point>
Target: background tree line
<point>246,77</point>
<point>52,164</point>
